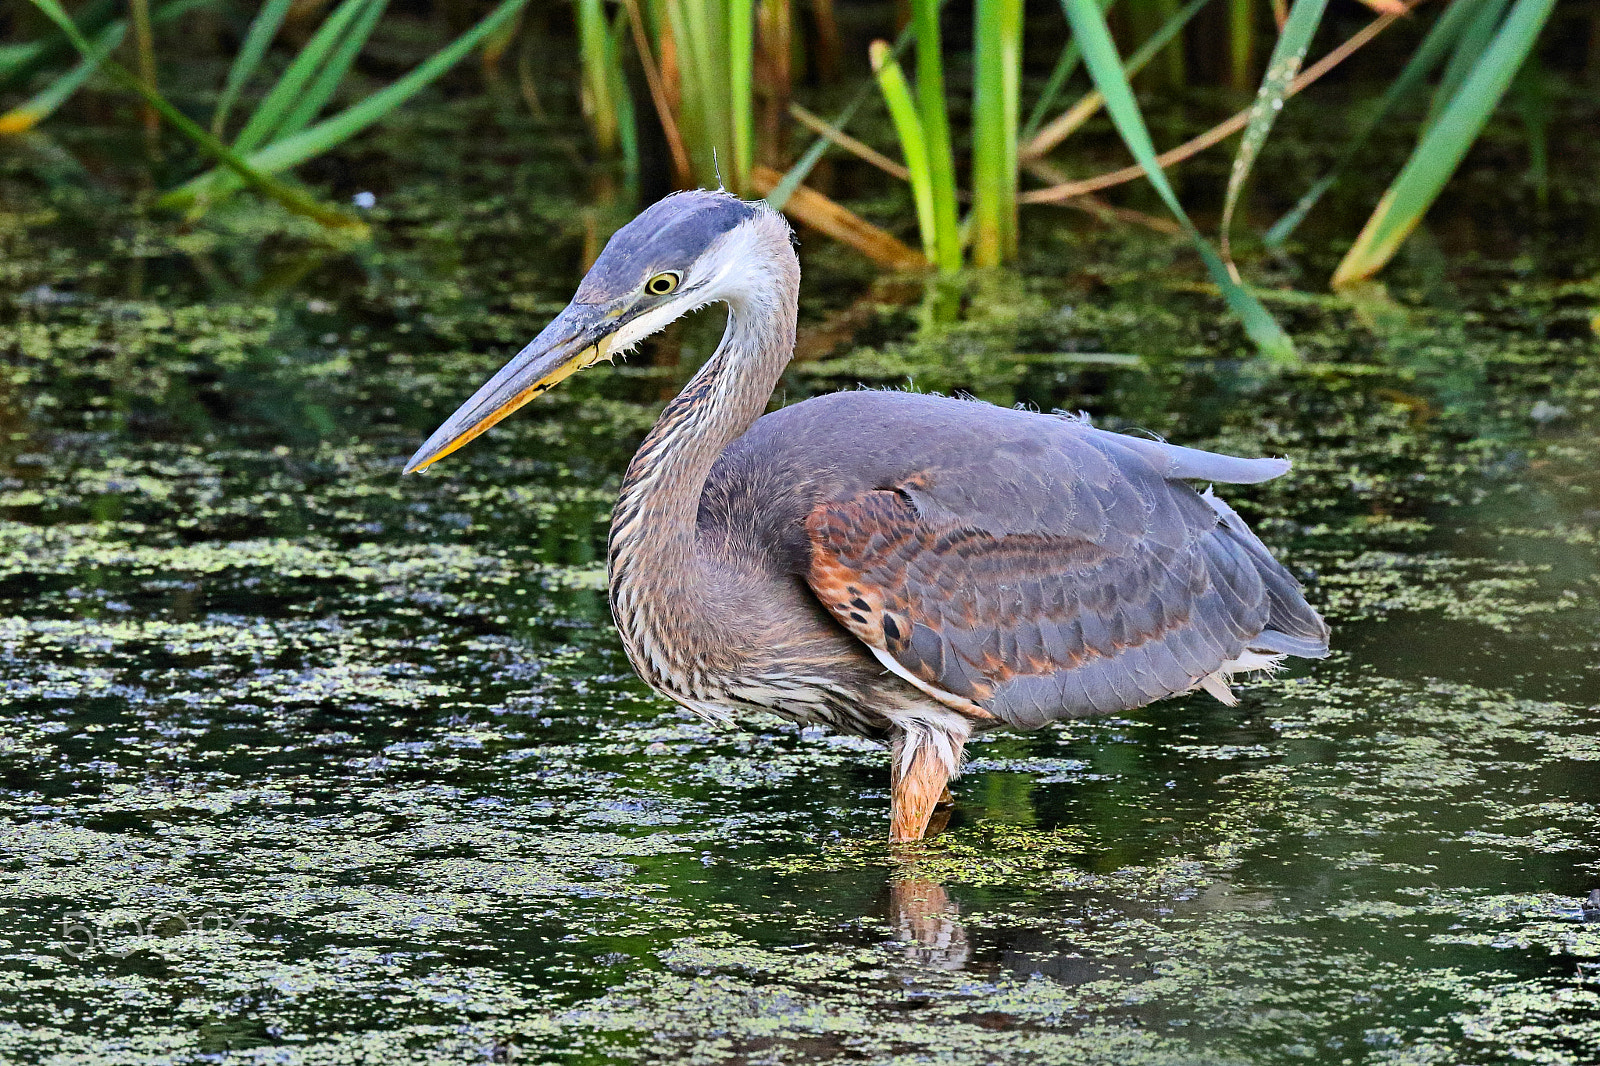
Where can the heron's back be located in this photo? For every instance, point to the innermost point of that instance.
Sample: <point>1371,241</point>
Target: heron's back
<point>1027,565</point>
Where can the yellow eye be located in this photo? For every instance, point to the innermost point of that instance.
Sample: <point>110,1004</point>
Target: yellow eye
<point>662,284</point>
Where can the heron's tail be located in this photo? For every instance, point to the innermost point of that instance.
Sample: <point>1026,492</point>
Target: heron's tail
<point>1293,626</point>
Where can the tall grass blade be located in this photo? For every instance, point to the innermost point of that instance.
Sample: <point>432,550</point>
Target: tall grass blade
<point>1422,62</point>
<point>331,132</point>
<point>1065,124</point>
<point>913,144</point>
<point>24,117</point>
<point>1470,46</point>
<point>144,42</point>
<point>283,96</point>
<point>797,174</point>
<point>23,60</point>
<point>263,28</point>
<point>934,115</point>
<point>740,89</point>
<point>699,49</point>
<point>996,100</point>
<point>1241,41</point>
<point>333,72</point>
<point>627,122</point>
<point>1287,55</point>
<point>291,198</point>
<point>1176,65</point>
<point>598,107</point>
<point>1530,95</point>
<point>1444,144</point>
<point>1105,67</point>
<point>1067,64</point>
<point>47,100</point>
<point>18,61</point>
<point>638,27</point>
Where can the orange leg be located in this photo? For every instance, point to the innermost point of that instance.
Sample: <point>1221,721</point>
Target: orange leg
<point>916,792</point>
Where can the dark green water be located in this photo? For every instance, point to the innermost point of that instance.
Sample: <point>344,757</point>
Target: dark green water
<point>308,763</point>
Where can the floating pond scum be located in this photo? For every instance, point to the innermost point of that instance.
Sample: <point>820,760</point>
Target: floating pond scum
<point>305,763</point>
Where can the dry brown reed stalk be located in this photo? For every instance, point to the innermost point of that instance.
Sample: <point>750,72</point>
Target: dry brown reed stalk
<point>828,51</point>
<point>865,152</point>
<point>658,92</point>
<point>145,49</point>
<point>835,220</point>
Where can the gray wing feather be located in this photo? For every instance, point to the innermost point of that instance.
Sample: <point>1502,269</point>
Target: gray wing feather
<point>1175,461</point>
<point>1032,564</point>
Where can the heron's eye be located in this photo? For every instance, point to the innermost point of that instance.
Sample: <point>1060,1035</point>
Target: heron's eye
<point>662,284</point>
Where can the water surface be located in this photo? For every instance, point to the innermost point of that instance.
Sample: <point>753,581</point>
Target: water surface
<point>308,763</point>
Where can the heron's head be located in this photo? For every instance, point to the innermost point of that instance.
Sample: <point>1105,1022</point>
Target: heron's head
<point>675,258</point>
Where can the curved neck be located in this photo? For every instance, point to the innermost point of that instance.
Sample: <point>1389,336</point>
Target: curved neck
<point>653,528</point>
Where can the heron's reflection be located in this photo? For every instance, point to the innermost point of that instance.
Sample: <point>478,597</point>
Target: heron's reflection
<point>922,913</point>
<point>928,921</point>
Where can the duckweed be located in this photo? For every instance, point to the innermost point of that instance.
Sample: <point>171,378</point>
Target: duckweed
<point>307,763</point>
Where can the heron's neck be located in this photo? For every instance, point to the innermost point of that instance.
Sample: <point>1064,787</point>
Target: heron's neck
<point>653,529</point>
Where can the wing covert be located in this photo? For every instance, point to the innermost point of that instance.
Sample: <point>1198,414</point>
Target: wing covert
<point>1034,627</point>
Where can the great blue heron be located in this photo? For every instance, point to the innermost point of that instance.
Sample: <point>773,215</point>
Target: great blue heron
<point>904,567</point>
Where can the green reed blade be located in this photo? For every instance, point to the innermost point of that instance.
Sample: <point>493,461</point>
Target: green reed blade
<point>1287,55</point>
<point>263,28</point>
<point>1063,125</point>
<point>1067,64</point>
<point>19,61</point>
<point>933,113</point>
<point>25,116</point>
<point>1422,62</point>
<point>796,174</point>
<point>241,171</point>
<point>144,50</point>
<point>1241,41</point>
<point>1444,144</point>
<point>1470,46</point>
<point>1530,96</point>
<point>741,89</point>
<point>627,123</point>
<point>333,72</point>
<point>598,106</point>
<point>996,99</point>
<point>913,145</point>
<point>1163,36</point>
<point>283,96</point>
<point>1105,67</point>
<point>331,132</point>
<point>687,22</point>
<point>698,49</point>
<point>1176,63</point>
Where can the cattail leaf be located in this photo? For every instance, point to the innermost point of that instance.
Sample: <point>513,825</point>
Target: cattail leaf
<point>908,128</point>
<point>1422,63</point>
<point>25,116</point>
<point>331,132</point>
<point>1444,145</point>
<point>1287,55</point>
<point>241,171</point>
<point>1066,123</point>
<point>1105,67</point>
<point>263,28</point>
<point>933,113</point>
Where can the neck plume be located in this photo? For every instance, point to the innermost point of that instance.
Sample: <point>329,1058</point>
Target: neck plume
<point>653,528</point>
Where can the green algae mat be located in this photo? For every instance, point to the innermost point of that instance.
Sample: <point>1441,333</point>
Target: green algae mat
<point>307,763</point>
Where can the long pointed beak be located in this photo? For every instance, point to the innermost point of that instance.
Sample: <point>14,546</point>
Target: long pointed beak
<point>574,340</point>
